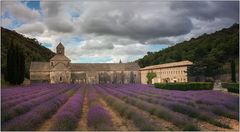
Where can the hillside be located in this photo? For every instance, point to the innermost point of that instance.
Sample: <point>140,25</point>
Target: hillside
<point>33,50</point>
<point>211,51</point>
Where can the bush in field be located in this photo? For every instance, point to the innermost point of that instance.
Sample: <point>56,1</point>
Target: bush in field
<point>185,86</point>
<point>99,119</point>
<point>232,87</point>
<point>67,117</point>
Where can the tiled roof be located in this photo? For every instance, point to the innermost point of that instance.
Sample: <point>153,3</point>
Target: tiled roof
<point>60,45</point>
<point>60,57</point>
<point>39,66</point>
<point>45,66</point>
<point>104,66</point>
<point>173,64</point>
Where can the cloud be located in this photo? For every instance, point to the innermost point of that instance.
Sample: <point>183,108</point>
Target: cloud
<point>6,22</point>
<point>32,28</point>
<point>118,30</point>
<point>56,16</point>
<point>205,10</point>
<point>20,11</point>
<point>160,41</point>
<point>135,21</point>
<point>59,24</point>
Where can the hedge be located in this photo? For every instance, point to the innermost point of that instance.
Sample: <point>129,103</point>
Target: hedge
<point>185,86</point>
<point>232,87</point>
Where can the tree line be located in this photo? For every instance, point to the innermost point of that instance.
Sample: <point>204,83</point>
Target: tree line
<point>212,54</point>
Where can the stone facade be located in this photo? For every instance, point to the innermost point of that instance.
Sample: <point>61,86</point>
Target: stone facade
<point>169,72</point>
<point>61,70</point>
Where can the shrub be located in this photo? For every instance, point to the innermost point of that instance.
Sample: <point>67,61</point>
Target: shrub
<point>185,86</point>
<point>232,87</point>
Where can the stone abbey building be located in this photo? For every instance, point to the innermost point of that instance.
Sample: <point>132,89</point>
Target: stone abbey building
<point>61,70</point>
<point>168,72</point>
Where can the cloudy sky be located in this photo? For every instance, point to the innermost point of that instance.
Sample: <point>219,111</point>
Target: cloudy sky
<point>107,31</point>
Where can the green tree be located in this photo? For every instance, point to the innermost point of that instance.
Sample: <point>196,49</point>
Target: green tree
<point>9,68</point>
<point>150,76</point>
<point>15,64</point>
<point>233,71</point>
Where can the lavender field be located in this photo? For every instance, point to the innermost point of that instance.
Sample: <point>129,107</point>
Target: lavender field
<point>116,107</point>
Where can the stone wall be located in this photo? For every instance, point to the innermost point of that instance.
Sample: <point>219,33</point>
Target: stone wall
<point>60,76</point>
<point>39,76</point>
<point>163,75</point>
<point>102,77</point>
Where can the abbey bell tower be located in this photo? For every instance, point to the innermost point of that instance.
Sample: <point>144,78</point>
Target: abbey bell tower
<point>60,49</point>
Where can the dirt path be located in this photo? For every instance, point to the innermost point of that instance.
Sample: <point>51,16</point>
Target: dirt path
<point>234,124</point>
<point>165,124</point>
<point>46,125</point>
<point>119,123</point>
<point>205,126</point>
<point>82,125</point>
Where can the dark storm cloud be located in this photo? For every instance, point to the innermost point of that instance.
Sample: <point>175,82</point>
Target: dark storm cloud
<point>136,21</point>
<point>151,20</point>
<point>56,17</point>
<point>206,10</point>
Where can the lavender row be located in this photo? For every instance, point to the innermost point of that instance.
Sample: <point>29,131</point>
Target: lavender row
<point>98,117</point>
<point>180,120</point>
<point>26,91</point>
<point>176,107</point>
<point>204,99</point>
<point>215,108</point>
<point>8,114</point>
<point>32,119</point>
<point>139,117</point>
<point>14,92</point>
<point>13,102</point>
<point>67,117</point>
<point>207,97</point>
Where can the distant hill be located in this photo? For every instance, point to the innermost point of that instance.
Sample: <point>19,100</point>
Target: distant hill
<point>213,51</point>
<point>33,50</point>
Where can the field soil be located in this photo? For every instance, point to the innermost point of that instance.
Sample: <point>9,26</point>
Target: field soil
<point>82,125</point>
<point>119,123</point>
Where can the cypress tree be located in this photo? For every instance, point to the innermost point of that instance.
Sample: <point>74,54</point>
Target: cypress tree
<point>21,66</point>
<point>9,69</point>
<point>233,71</point>
<point>15,64</point>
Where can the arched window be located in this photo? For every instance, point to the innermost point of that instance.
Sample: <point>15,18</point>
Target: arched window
<point>51,63</point>
<point>60,79</point>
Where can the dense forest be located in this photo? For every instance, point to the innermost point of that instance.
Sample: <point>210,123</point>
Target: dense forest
<point>33,50</point>
<point>212,54</point>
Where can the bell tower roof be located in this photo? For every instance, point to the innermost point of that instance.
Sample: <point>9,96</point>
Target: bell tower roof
<point>60,49</point>
<point>60,45</point>
<point>60,54</point>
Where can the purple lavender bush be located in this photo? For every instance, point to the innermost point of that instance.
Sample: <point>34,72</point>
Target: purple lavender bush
<point>67,117</point>
<point>21,108</point>
<point>32,119</point>
<point>98,117</point>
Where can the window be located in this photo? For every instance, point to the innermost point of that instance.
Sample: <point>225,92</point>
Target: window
<point>51,63</point>
<point>60,79</point>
